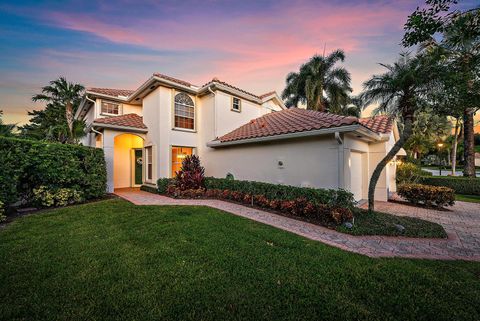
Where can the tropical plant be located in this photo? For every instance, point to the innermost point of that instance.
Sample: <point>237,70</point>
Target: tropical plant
<point>399,92</point>
<point>63,99</point>
<point>192,174</point>
<point>319,84</point>
<point>458,57</point>
<point>5,129</point>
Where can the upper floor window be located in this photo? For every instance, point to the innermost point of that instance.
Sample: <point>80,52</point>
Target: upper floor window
<point>109,108</point>
<point>184,111</point>
<point>236,104</point>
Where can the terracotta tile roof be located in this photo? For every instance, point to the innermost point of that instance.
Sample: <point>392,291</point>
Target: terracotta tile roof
<point>111,92</point>
<point>379,124</point>
<point>267,94</point>
<point>172,79</point>
<point>217,81</point>
<point>287,121</point>
<point>127,120</point>
<point>299,120</point>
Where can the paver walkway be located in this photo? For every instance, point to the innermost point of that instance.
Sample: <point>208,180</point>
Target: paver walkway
<point>462,225</point>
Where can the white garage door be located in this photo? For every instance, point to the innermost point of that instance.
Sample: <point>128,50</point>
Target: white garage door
<point>356,170</point>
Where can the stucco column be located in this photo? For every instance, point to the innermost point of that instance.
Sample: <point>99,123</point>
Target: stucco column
<point>341,161</point>
<point>108,144</point>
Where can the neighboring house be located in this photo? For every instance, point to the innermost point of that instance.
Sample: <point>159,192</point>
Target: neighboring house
<point>146,133</point>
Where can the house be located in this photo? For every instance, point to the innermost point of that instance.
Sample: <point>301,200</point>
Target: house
<point>146,133</point>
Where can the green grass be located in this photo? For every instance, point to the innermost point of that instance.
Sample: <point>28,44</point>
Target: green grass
<point>378,223</point>
<point>467,198</point>
<point>112,260</point>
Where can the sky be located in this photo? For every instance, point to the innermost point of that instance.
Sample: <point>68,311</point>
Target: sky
<point>250,44</point>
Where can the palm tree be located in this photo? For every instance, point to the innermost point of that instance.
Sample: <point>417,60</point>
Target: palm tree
<point>66,94</point>
<point>5,129</point>
<point>319,83</point>
<point>399,93</point>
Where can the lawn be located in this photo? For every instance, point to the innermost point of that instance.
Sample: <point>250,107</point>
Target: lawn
<point>378,223</point>
<point>467,198</point>
<point>112,260</point>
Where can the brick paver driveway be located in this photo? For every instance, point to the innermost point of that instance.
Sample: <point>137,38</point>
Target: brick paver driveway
<point>462,224</point>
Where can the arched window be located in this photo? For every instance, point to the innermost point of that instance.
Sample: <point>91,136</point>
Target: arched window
<point>184,111</point>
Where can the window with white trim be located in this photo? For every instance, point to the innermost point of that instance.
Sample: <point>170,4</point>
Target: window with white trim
<point>236,104</point>
<point>184,111</point>
<point>149,162</point>
<point>110,108</point>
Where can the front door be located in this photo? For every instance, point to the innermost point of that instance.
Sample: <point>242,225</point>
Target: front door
<point>138,166</point>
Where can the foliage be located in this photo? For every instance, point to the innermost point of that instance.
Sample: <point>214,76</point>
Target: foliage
<point>163,184</point>
<point>438,196</point>
<point>191,175</point>
<point>408,173</point>
<point>27,165</point>
<point>2,213</point>
<point>320,84</point>
<point>330,197</point>
<point>56,122</point>
<point>5,129</point>
<point>150,189</point>
<point>378,223</point>
<point>47,197</point>
<point>461,185</point>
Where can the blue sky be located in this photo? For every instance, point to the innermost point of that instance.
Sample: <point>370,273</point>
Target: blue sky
<point>251,44</point>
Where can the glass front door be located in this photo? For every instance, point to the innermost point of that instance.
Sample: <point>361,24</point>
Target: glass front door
<point>178,155</point>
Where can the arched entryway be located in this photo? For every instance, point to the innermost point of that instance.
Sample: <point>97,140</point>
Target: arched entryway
<point>127,161</point>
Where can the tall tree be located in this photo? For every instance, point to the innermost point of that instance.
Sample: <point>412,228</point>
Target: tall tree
<point>5,129</point>
<point>458,52</point>
<point>319,83</point>
<point>399,92</point>
<point>66,95</point>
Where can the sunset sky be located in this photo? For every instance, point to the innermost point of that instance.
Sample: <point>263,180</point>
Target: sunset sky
<point>252,45</point>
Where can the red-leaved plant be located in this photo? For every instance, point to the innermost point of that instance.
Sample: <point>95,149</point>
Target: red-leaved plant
<point>192,174</point>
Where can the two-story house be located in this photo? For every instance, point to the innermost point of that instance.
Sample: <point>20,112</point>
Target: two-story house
<point>147,132</point>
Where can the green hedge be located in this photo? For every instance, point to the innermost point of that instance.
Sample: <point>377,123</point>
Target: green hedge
<point>26,165</point>
<point>283,192</point>
<point>438,196</point>
<point>461,185</point>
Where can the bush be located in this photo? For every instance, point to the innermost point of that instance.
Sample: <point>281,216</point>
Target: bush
<point>340,198</point>
<point>438,196</point>
<point>27,165</point>
<point>409,173</point>
<point>2,213</point>
<point>46,197</point>
<point>162,185</point>
<point>192,174</point>
<point>460,184</point>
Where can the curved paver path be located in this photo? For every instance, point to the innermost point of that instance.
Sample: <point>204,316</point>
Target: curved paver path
<point>462,225</point>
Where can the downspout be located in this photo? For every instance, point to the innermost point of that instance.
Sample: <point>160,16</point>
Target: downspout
<point>214,112</point>
<point>341,161</point>
<point>98,133</point>
<point>94,105</point>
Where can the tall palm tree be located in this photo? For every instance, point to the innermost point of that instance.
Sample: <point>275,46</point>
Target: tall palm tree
<point>66,94</point>
<point>318,83</point>
<point>399,93</point>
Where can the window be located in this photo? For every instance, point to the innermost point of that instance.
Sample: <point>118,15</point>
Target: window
<point>109,108</point>
<point>178,154</point>
<point>184,112</point>
<point>149,158</point>
<point>236,104</point>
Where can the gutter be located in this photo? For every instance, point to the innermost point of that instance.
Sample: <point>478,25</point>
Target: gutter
<point>125,128</point>
<point>214,111</point>
<point>311,133</point>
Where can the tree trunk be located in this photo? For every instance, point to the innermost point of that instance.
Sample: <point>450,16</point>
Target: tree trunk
<point>454,147</point>
<point>69,117</point>
<point>469,143</point>
<point>407,132</point>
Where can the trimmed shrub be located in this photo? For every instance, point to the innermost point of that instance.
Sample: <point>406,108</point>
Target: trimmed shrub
<point>27,165</point>
<point>340,198</point>
<point>162,185</point>
<point>3,217</point>
<point>428,195</point>
<point>409,173</point>
<point>460,184</point>
<point>45,197</point>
